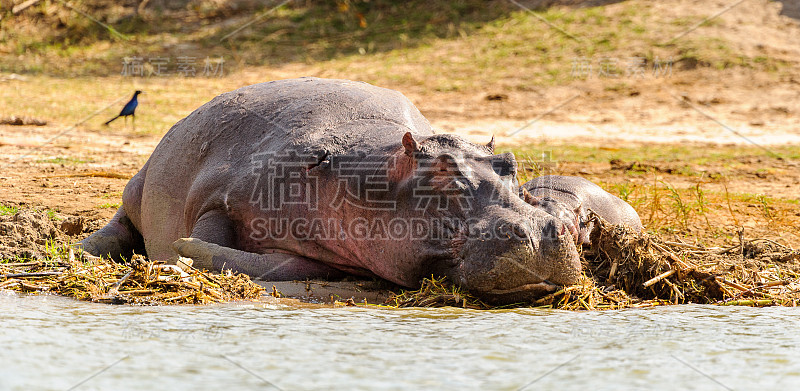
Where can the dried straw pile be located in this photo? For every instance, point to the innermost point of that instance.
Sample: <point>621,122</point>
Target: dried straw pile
<point>436,293</point>
<point>625,269</point>
<point>136,282</point>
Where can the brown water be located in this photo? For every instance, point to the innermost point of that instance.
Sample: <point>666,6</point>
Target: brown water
<point>53,343</point>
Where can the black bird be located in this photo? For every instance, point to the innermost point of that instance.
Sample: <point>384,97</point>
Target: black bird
<point>129,109</point>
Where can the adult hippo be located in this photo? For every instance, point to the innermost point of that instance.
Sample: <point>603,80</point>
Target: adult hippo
<point>569,198</point>
<point>315,178</point>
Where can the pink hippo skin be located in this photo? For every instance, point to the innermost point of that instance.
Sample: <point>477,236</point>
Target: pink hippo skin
<point>315,178</point>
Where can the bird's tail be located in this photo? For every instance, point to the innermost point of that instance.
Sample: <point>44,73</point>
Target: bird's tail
<point>109,121</point>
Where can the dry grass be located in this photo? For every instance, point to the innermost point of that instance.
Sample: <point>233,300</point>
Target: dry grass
<point>436,292</point>
<point>622,269</point>
<point>136,282</point>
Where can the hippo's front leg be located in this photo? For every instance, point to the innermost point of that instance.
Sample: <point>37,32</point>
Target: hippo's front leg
<point>210,247</point>
<point>269,267</point>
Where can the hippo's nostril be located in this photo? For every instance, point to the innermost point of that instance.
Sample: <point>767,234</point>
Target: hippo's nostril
<point>519,232</point>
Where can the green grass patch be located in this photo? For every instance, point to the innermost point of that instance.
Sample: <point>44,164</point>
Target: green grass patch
<point>12,210</point>
<point>65,161</point>
<point>8,210</point>
<point>112,194</point>
<point>52,215</point>
<point>460,39</point>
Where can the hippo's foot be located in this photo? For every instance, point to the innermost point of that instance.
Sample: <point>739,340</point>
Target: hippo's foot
<point>273,266</point>
<point>201,253</point>
<point>118,240</point>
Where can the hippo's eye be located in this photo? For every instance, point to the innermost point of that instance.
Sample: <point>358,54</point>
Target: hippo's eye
<point>504,165</point>
<point>451,176</point>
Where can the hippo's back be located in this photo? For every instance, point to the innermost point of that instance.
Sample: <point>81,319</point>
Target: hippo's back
<point>206,158</point>
<point>576,192</point>
<point>304,111</point>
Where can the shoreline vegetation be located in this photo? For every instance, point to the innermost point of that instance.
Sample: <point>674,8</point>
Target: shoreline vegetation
<point>622,269</point>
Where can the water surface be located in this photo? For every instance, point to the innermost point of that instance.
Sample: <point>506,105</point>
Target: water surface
<point>54,343</point>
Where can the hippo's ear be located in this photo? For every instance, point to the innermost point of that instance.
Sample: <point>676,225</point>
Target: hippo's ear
<point>490,145</point>
<point>528,197</point>
<point>410,144</point>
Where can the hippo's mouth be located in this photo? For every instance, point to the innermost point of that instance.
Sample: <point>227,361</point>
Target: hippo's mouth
<point>521,293</point>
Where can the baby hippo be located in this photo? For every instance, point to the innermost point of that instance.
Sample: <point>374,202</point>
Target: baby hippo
<point>569,198</point>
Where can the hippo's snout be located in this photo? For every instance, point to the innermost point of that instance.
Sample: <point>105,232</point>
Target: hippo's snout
<point>518,261</point>
<point>561,254</point>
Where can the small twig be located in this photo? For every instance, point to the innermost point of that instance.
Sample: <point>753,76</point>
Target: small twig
<point>115,288</point>
<point>137,292</point>
<point>613,271</point>
<point>21,264</point>
<point>729,249</point>
<point>208,277</point>
<point>213,293</point>
<point>9,284</point>
<point>680,244</point>
<point>23,6</point>
<point>608,297</point>
<point>29,275</point>
<point>93,19</point>
<point>750,303</point>
<point>767,285</point>
<point>774,283</point>
<point>741,245</point>
<point>672,256</point>
<point>658,278</point>
<point>31,287</point>
<point>678,293</point>
<point>180,297</point>
<point>89,257</point>
<point>741,242</point>
<point>693,247</point>
<point>735,285</point>
<point>771,241</point>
